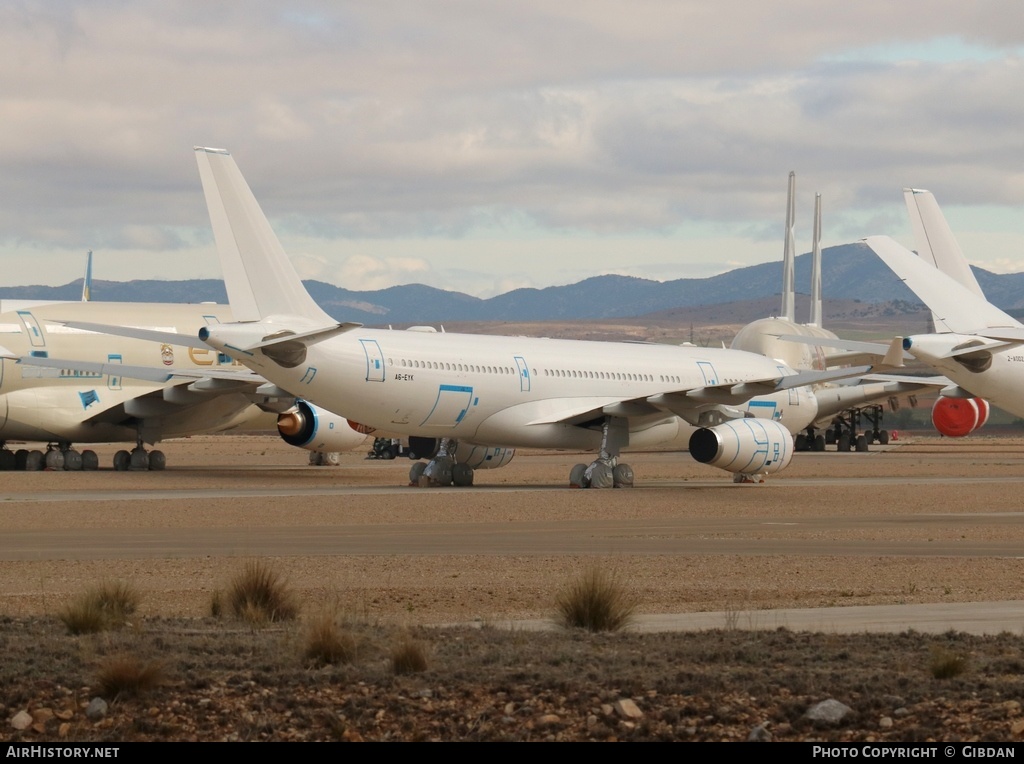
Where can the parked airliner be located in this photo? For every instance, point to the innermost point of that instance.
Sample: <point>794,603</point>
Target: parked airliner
<point>479,397</point>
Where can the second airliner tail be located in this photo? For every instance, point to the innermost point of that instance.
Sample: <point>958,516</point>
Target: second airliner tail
<point>260,279</point>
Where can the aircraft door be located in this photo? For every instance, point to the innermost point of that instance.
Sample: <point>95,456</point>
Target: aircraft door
<point>450,408</point>
<point>114,379</point>
<point>374,360</point>
<point>524,374</point>
<point>710,375</point>
<point>32,329</point>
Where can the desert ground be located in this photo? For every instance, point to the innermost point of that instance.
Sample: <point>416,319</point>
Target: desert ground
<point>928,520</point>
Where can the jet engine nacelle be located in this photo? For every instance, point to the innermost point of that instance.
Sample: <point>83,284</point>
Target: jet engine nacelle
<point>749,446</point>
<point>483,457</point>
<point>315,429</point>
<point>958,417</point>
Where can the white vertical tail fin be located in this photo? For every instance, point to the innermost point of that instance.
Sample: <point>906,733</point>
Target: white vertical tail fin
<point>935,241</point>
<point>816,265</point>
<point>789,255</point>
<point>260,279</point>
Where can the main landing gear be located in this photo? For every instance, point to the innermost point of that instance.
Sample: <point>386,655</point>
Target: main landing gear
<point>58,456</point>
<point>606,471</point>
<point>442,469</point>
<point>138,459</point>
<point>843,431</point>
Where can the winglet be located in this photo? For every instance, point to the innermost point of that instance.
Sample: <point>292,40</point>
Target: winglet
<point>260,280</point>
<point>894,355</point>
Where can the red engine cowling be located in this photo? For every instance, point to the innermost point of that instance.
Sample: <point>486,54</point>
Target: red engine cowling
<point>957,417</point>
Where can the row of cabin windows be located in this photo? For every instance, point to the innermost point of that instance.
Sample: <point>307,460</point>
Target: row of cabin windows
<point>564,373</point>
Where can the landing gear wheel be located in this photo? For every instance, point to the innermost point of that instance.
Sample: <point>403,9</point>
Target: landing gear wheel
<point>862,443</point>
<point>20,459</point>
<point>462,475</point>
<point>54,460</point>
<point>90,462</point>
<point>800,443</point>
<point>72,460</point>
<point>819,443</point>
<point>843,443</point>
<point>157,460</point>
<point>830,437</point>
<point>34,461</point>
<point>415,472</point>
<point>578,476</point>
<point>7,460</point>
<point>883,437</point>
<point>139,459</point>
<point>442,472</point>
<point>122,460</point>
<point>601,476</point>
<point>622,476</point>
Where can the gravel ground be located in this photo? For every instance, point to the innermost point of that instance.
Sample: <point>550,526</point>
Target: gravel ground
<point>510,694</point>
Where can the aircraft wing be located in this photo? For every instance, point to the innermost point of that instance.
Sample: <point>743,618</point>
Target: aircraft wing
<point>689,403</point>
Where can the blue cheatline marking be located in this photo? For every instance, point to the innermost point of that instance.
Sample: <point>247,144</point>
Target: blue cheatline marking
<point>39,354</point>
<point>456,389</point>
<point>240,350</point>
<point>459,417</point>
<point>88,398</point>
<point>476,401</point>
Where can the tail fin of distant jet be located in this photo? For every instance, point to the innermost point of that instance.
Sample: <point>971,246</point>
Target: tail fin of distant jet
<point>789,255</point>
<point>260,279</point>
<point>955,307</point>
<point>935,241</point>
<point>87,281</point>
<point>816,265</point>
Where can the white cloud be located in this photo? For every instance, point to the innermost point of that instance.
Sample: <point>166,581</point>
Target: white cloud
<point>422,127</point>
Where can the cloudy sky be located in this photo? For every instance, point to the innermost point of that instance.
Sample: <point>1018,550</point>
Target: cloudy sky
<point>483,146</point>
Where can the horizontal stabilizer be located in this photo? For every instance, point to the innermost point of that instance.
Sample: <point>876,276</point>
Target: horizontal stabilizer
<point>956,308</point>
<point>151,335</point>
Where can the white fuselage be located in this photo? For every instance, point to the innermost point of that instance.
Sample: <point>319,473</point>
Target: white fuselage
<point>510,391</point>
<point>69,405</point>
<point>992,371</point>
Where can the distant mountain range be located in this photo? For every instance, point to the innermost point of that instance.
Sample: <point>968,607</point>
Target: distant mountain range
<point>849,271</point>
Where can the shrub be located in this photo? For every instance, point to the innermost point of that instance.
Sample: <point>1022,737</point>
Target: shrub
<point>409,656</point>
<point>105,606</point>
<point>258,595</point>
<point>595,601</point>
<point>945,664</point>
<point>127,675</point>
<point>326,643</point>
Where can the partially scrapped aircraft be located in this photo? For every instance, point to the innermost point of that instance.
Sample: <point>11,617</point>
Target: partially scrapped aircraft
<point>477,398</point>
<point>843,405</point>
<point>976,345</point>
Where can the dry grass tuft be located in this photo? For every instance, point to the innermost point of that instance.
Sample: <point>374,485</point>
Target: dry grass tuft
<point>106,606</point>
<point>259,595</point>
<point>945,664</point>
<point>409,656</point>
<point>126,675</point>
<point>327,643</point>
<point>595,601</point>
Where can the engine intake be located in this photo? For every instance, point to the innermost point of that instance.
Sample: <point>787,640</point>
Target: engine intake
<point>749,446</point>
<point>959,417</point>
